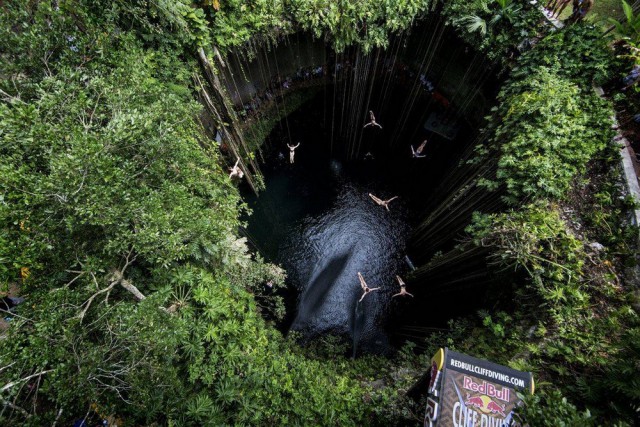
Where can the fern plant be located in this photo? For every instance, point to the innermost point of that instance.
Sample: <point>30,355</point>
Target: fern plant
<point>630,26</point>
<point>476,23</point>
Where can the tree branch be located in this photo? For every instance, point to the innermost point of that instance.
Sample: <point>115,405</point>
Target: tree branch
<point>8,366</point>
<point>16,408</point>
<point>8,97</point>
<point>57,418</point>
<point>13,383</point>
<point>87,303</point>
<point>117,279</point>
<point>131,288</point>
<point>12,314</point>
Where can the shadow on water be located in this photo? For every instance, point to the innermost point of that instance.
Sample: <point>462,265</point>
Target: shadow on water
<point>318,289</point>
<point>326,251</point>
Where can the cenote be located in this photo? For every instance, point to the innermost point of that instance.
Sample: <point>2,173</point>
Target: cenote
<point>315,218</point>
<point>164,263</point>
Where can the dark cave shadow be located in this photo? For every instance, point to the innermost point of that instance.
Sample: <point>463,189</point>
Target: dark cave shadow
<point>318,288</point>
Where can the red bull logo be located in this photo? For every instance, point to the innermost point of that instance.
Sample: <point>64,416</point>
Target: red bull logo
<point>486,388</point>
<point>475,392</point>
<point>496,408</point>
<point>474,401</point>
<point>485,404</point>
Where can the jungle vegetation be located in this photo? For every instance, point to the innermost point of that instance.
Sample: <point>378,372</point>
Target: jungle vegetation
<point>119,224</point>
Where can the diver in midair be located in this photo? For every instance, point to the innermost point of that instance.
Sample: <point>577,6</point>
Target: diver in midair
<point>366,289</point>
<point>292,151</point>
<point>236,171</point>
<point>381,202</point>
<point>373,121</point>
<point>403,288</point>
<point>417,153</point>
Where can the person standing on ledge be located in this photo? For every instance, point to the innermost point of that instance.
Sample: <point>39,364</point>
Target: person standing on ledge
<point>373,121</point>
<point>366,289</point>
<point>418,153</point>
<point>580,10</point>
<point>292,151</point>
<point>403,288</point>
<point>236,171</point>
<point>557,7</point>
<point>381,202</point>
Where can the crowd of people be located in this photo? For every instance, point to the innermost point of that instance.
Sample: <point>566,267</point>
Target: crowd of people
<point>278,85</point>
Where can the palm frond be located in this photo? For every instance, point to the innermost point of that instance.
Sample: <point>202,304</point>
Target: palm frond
<point>474,23</point>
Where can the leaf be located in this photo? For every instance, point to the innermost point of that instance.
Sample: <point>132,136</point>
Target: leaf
<point>628,11</point>
<point>474,23</point>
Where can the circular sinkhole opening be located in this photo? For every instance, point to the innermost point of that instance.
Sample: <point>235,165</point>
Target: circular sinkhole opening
<point>317,217</point>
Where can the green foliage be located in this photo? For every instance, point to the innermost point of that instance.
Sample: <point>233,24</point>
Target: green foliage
<point>474,23</point>
<point>109,185</point>
<point>236,21</point>
<point>571,310</point>
<point>548,130</point>
<point>602,208</point>
<point>139,302</point>
<point>160,23</point>
<point>112,358</point>
<point>578,53</point>
<point>254,375</point>
<point>506,10</point>
<point>345,23</point>
<point>549,408</point>
<point>549,123</point>
<point>536,240</point>
<point>67,164</point>
<point>618,384</point>
<point>212,361</point>
<point>495,27</point>
<point>629,26</point>
<point>367,23</point>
